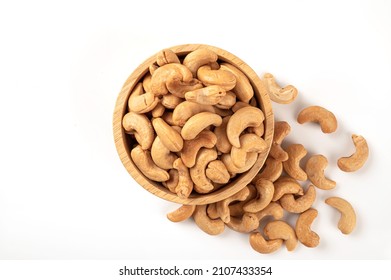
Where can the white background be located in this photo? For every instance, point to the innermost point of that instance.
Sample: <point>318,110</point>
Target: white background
<point>64,193</point>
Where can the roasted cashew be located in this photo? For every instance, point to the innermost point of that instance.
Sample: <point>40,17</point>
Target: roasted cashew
<point>281,230</point>
<point>232,168</point>
<point>356,160</point>
<point>347,222</point>
<point>325,118</point>
<point>239,105</point>
<point>171,183</point>
<point>240,120</point>
<point>299,205</point>
<point>273,209</point>
<point>259,244</point>
<point>247,223</point>
<point>141,102</point>
<point>286,185</point>
<point>223,112</point>
<point>304,233</point>
<point>314,168</point>
<point>168,135</point>
<point>265,191</point>
<point>272,170</point>
<point>197,58</point>
<point>219,77</point>
<point>236,209</point>
<point>201,183</point>
<point>217,172</point>
<point>167,72</point>
<point>167,117</point>
<point>199,122</point>
<point>281,130</point>
<point>170,101</point>
<point>141,127</point>
<point>227,101</point>
<point>187,109</point>
<point>142,159</point>
<point>190,149</point>
<point>166,56</point>
<point>248,143</point>
<point>210,95</point>
<point>158,111</point>
<point>152,68</point>
<point>212,211</point>
<point>223,145</point>
<point>280,95</point>
<point>147,82</point>
<point>212,227</point>
<point>222,206</point>
<point>292,165</point>
<point>185,184</point>
<point>243,89</point>
<point>162,156</point>
<point>178,87</point>
<point>258,130</point>
<point>182,213</point>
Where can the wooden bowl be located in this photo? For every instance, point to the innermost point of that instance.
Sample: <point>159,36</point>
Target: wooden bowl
<point>123,141</point>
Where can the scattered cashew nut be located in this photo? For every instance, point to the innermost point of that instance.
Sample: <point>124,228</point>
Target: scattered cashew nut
<point>304,233</point>
<point>292,165</point>
<point>281,230</point>
<point>358,159</point>
<point>247,223</point>
<point>181,214</point>
<point>208,225</point>
<point>259,244</point>
<point>286,185</point>
<point>273,209</point>
<point>299,205</point>
<point>272,170</point>
<point>281,130</point>
<point>347,222</point>
<point>265,191</point>
<point>280,95</point>
<point>325,118</point>
<point>314,168</point>
<point>222,205</point>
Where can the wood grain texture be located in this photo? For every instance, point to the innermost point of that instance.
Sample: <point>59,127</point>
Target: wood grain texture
<point>124,145</point>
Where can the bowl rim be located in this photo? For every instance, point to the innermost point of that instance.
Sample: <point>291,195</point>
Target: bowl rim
<point>156,188</point>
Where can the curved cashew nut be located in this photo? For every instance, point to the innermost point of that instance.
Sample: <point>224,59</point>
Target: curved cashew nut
<point>243,89</point>
<point>162,156</point>
<point>303,228</point>
<point>201,218</point>
<point>232,168</point>
<point>281,130</point>
<point>356,160</point>
<point>170,101</point>
<point>280,95</point>
<point>158,111</point>
<point>286,185</point>
<point>223,145</point>
<point>171,183</point>
<point>190,149</point>
<point>142,159</point>
<point>219,77</point>
<point>281,230</point>
<point>217,172</point>
<point>326,119</point>
<point>292,165</point>
<point>199,122</point>
<point>236,209</point>
<point>259,130</point>
<point>239,105</point>
<point>314,168</point>
<point>152,68</point>
<point>187,109</point>
<point>167,72</point>
<point>185,184</point>
<point>141,127</point>
<point>141,102</point>
<point>167,117</point>
<point>273,209</point>
<point>227,101</point>
<point>240,120</point>
<point>347,221</point>
<point>247,223</point>
<point>147,82</point>
<point>272,170</point>
<point>265,191</point>
<point>212,211</point>
<point>197,172</point>
<point>222,206</point>
<point>248,143</point>
<point>259,244</point>
<point>178,87</point>
<point>210,95</point>
<point>181,214</point>
<point>168,135</point>
<point>197,58</point>
<point>304,202</point>
<point>166,56</point>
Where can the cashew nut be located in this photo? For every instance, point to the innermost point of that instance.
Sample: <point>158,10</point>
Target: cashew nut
<point>286,185</point>
<point>166,56</point>
<point>292,165</point>
<point>223,145</point>
<point>265,191</point>
<point>171,183</point>
<point>167,117</point>
<point>158,111</point>
<point>141,102</point>
<point>217,172</point>
<point>170,101</point>
<point>248,143</point>
<point>168,135</point>
<point>210,95</point>
<point>181,214</point>
<point>152,68</point>
<point>219,77</point>
<point>240,120</point>
<point>222,205</point>
<point>325,118</point>
<point>236,208</point>
<point>147,82</point>
<point>272,170</point>
<point>141,127</point>
<point>178,87</point>
<point>223,112</point>
<point>232,168</point>
<point>281,230</point>
<point>142,159</point>
<point>197,172</point>
<point>281,130</point>
<point>199,122</point>
<point>212,227</point>
<point>190,149</point>
<point>247,223</point>
<point>259,244</point>
<point>273,209</point>
<point>212,211</point>
<point>239,105</point>
<point>304,233</point>
<point>227,101</point>
<point>314,168</point>
<point>280,95</point>
<point>197,58</point>
<point>185,184</point>
<point>347,222</point>
<point>162,156</point>
<point>187,109</point>
<point>356,160</point>
<point>259,130</point>
<point>243,89</point>
<point>299,205</point>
